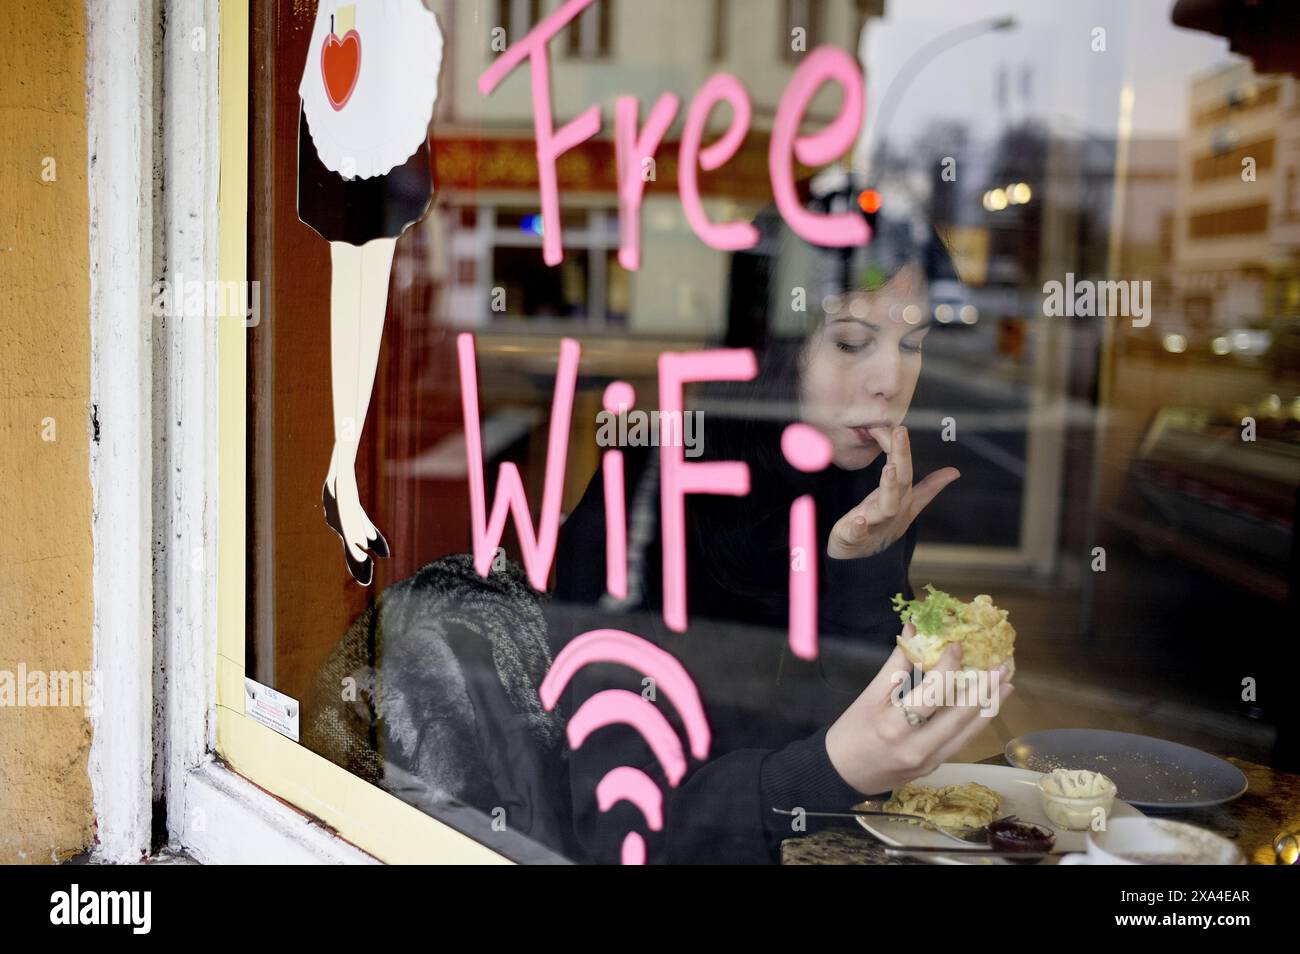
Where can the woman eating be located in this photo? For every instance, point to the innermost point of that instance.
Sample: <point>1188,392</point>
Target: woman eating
<point>783,735</point>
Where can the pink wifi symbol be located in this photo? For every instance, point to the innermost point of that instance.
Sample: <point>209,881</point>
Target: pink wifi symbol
<point>612,706</point>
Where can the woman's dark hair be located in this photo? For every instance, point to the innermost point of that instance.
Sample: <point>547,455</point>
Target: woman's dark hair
<point>775,303</point>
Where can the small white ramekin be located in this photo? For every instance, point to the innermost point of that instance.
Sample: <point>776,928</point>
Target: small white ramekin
<point>1073,812</point>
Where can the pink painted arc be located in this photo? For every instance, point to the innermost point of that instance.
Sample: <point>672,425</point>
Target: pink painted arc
<point>614,706</point>
<point>628,783</point>
<point>617,646</point>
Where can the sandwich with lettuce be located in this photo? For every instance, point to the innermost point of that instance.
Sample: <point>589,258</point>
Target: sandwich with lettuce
<point>987,639</point>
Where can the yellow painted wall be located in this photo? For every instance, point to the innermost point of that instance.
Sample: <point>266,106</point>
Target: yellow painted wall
<point>45,504</point>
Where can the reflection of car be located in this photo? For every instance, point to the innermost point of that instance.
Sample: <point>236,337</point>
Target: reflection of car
<point>950,293</point>
<point>1275,342</point>
<point>1246,344</point>
<point>1171,334</point>
<point>1201,479</point>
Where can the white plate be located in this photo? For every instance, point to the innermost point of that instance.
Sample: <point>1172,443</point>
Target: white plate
<point>1020,797</point>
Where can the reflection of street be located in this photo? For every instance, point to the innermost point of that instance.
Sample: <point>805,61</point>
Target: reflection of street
<point>983,507</point>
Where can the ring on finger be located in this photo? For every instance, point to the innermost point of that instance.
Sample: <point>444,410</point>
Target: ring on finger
<point>914,718</point>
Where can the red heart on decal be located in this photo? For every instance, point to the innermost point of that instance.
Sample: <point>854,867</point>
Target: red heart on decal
<point>340,65</point>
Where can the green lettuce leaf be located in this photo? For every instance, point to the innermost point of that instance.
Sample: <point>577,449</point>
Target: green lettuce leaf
<point>928,615</point>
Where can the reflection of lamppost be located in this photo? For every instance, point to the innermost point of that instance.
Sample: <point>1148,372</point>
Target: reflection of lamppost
<point>941,43</point>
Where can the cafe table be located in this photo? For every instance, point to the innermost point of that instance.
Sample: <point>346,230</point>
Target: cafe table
<point>1269,808</point>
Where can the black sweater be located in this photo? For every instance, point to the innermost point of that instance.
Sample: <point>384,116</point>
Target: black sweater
<point>768,712</point>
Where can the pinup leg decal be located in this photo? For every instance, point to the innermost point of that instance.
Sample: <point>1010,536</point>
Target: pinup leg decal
<point>376,266</point>
<point>368,89</point>
<point>358,300</point>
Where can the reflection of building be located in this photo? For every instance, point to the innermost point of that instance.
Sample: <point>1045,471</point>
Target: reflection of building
<point>478,255</point>
<point>1029,205</point>
<point>1237,234</point>
<point>487,172</point>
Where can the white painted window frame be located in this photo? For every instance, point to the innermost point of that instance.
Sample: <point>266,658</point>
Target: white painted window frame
<point>153,160</point>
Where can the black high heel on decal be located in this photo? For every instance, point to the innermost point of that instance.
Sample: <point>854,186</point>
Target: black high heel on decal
<point>377,543</point>
<point>363,571</point>
<point>380,545</point>
<point>331,505</point>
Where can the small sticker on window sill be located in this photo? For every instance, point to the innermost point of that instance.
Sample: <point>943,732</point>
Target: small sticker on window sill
<point>273,709</point>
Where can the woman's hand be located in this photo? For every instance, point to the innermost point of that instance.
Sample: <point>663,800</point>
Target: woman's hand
<point>875,749</point>
<point>889,510</point>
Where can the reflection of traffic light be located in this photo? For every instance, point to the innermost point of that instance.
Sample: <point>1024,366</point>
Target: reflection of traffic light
<point>869,203</point>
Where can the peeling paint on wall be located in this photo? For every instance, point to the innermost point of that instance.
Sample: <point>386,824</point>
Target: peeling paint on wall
<point>45,552</point>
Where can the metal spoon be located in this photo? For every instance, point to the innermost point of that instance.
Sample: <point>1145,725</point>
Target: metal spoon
<point>977,835</point>
<point>970,834</point>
